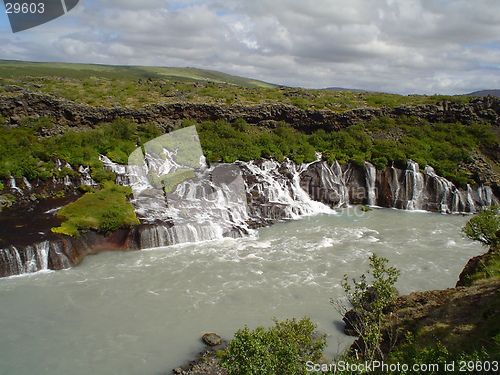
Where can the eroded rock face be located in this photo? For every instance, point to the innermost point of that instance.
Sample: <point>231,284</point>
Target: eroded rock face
<point>475,265</point>
<point>66,114</point>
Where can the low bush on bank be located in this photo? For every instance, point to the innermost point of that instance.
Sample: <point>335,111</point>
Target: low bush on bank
<point>104,211</point>
<point>283,349</point>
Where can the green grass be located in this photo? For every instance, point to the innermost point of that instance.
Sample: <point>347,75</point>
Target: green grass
<point>136,86</point>
<point>13,69</point>
<point>104,211</point>
<point>488,269</point>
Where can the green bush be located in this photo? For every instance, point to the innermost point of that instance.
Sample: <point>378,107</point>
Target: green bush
<point>368,300</point>
<point>104,211</point>
<point>280,350</point>
<point>484,226</point>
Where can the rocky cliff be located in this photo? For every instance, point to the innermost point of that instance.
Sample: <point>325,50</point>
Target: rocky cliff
<point>66,114</point>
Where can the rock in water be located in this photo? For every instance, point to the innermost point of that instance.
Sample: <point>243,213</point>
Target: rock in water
<point>211,339</point>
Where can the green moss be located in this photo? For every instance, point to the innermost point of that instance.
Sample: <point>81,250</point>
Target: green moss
<point>104,211</point>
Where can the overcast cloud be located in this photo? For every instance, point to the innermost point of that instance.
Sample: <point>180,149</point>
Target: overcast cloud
<point>399,46</point>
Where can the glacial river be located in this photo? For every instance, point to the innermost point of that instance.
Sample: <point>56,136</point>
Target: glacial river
<point>144,312</point>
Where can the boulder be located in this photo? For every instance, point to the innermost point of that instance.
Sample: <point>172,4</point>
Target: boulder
<point>211,339</point>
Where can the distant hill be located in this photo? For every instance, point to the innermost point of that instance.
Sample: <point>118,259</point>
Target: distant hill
<point>344,89</point>
<point>495,92</point>
<point>14,69</point>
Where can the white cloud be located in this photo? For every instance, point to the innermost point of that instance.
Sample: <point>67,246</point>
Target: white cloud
<point>418,46</point>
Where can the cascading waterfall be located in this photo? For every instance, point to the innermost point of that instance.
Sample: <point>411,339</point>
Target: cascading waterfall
<point>277,189</point>
<point>414,184</point>
<point>371,179</point>
<point>11,184</point>
<point>32,258</point>
<point>179,198</point>
<point>327,183</point>
<point>448,197</point>
<point>85,178</point>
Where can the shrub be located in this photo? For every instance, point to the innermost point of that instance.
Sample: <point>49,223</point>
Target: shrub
<point>484,226</point>
<point>368,301</point>
<point>104,211</point>
<point>282,349</point>
<point>100,175</point>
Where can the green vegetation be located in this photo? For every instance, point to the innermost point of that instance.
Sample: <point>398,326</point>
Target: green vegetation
<point>135,86</point>
<point>465,335</point>
<point>484,226</point>
<point>489,268</point>
<point>368,301</point>
<point>224,142</point>
<point>104,211</point>
<point>24,153</point>
<point>280,350</point>
<point>16,69</point>
<point>384,141</point>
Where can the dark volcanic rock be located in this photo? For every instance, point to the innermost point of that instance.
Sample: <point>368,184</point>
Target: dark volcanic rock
<point>65,113</point>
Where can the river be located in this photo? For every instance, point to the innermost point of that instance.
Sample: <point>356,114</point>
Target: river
<point>143,312</point>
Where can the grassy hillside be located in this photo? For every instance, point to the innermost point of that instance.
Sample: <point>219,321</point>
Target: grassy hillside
<point>16,69</point>
<point>136,86</point>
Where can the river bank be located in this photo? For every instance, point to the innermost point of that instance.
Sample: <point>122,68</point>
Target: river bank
<point>460,317</point>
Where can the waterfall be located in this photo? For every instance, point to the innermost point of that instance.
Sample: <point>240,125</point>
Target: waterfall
<point>275,190</point>
<point>448,198</point>
<point>486,197</point>
<point>11,184</point>
<point>27,184</point>
<point>180,198</point>
<point>32,258</point>
<point>470,200</point>
<point>176,192</point>
<point>414,184</point>
<point>85,178</point>
<point>325,183</point>
<point>371,178</point>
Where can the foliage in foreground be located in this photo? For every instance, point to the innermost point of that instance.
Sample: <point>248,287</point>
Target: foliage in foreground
<point>368,300</point>
<point>104,211</point>
<point>484,226</point>
<point>280,350</point>
<point>264,352</point>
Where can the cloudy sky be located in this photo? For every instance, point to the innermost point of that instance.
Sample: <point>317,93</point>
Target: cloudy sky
<point>398,46</point>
